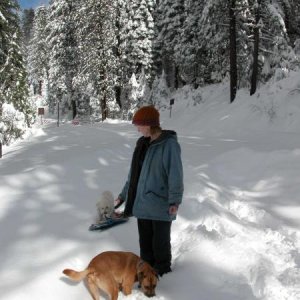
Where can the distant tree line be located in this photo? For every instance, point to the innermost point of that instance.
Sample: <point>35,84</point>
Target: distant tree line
<point>105,58</point>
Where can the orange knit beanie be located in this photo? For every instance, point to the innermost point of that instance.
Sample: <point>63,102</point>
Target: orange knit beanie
<point>146,116</point>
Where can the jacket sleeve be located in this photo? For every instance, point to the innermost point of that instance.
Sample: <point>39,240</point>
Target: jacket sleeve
<point>124,192</point>
<point>173,167</point>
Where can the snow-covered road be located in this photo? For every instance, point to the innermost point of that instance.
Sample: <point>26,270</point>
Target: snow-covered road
<point>237,233</point>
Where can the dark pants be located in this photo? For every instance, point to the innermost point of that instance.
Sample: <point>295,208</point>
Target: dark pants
<point>155,244</point>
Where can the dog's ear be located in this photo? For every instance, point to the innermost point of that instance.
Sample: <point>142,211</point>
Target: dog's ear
<point>156,274</point>
<point>139,266</point>
<point>140,270</point>
<point>140,276</point>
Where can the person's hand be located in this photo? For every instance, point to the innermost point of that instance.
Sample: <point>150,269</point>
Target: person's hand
<point>118,202</point>
<point>173,209</point>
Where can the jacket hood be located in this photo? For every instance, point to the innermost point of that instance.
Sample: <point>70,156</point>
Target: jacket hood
<point>165,135</point>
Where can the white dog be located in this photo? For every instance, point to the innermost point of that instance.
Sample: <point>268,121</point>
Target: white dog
<point>105,206</point>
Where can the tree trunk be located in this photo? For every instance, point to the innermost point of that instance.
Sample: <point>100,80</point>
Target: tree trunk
<point>233,59</point>
<point>103,100</point>
<point>118,92</point>
<point>103,106</point>
<point>74,109</point>
<point>169,69</point>
<point>255,52</point>
<point>118,54</point>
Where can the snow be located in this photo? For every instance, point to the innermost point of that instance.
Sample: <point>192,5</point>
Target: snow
<point>237,235</point>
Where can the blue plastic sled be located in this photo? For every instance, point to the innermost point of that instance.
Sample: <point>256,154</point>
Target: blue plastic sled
<point>109,222</point>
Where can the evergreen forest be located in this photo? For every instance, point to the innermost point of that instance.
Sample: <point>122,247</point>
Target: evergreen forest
<point>102,59</point>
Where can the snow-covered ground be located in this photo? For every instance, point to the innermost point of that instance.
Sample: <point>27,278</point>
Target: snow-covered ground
<point>237,236</point>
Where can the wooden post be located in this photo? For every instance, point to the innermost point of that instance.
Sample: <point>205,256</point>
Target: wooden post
<point>41,112</point>
<point>171,103</point>
<point>57,113</point>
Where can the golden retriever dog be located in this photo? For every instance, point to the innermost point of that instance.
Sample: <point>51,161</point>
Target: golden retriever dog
<point>115,271</point>
<point>105,206</point>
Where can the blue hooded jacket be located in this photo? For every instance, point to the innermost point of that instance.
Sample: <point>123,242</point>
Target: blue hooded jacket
<point>160,182</point>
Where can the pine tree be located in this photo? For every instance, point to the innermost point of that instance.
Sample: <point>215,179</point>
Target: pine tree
<point>98,46</point>
<point>38,51</point>
<point>130,98</point>
<point>27,25</point>
<point>121,36</point>
<point>291,12</point>
<point>276,55</point>
<point>171,16</point>
<point>192,70</point>
<point>13,77</point>
<point>63,59</point>
<point>256,35</point>
<point>140,38</point>
<point>160,93</point>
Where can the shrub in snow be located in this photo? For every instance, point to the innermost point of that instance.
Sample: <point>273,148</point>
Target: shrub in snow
<point>297,47</point>
<point>161,94</point>
<point>12,124</point>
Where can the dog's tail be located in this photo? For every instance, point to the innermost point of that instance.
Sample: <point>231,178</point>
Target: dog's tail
<point>76,276</point>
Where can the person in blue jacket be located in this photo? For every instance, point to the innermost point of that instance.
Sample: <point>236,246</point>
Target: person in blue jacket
<point>154,188</point>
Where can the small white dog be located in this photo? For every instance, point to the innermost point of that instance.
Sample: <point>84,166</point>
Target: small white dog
<point>105,206</point>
